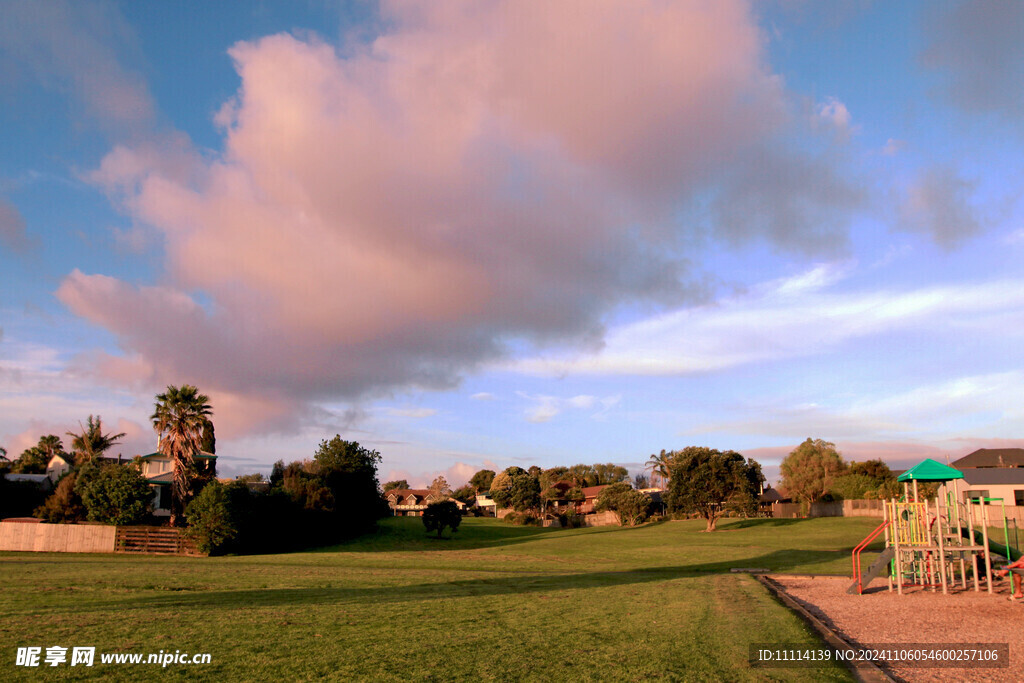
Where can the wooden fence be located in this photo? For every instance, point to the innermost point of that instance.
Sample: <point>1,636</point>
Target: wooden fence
<point>57,538</point>
<point>94,538</point>
<point>156,540</point>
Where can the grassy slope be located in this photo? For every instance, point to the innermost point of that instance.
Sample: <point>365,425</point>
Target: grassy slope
<point>495,603</point>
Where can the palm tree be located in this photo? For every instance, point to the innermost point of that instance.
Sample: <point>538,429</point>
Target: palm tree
<point>89,444</point>
<point>178,421</point>
<point>661,466</point>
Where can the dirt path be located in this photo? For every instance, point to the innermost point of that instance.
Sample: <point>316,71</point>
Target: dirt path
<point>918,616</point>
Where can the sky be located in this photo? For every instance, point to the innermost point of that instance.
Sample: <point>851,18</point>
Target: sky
<point>480,234</point>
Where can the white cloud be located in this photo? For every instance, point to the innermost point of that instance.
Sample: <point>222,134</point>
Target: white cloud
<point>483,396</point>
<point>547,407</point>
<point>417,413</point>
<point>794,317</point>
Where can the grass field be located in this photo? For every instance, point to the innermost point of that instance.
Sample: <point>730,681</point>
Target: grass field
<point>495,603</point>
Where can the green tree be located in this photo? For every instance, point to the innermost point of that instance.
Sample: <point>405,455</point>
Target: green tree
<point>90,443</point>
<point>440,515</point>
<point>31,461</point>
<point>630,505</point>
<point>851,486</point>
<point>515,488</point>
<point>875,469</point>
<point>209,518</point>
<point>810,470</point>
<point>641,481</point>
<point>209,440</point>
<point>114,494</point>
<point>397,484</point>
<point>482,480</point>
<point>178,420</point>
<point>349,471</point>
<point>609,473</point>
<point>706,480</point>
<point>465,494</point>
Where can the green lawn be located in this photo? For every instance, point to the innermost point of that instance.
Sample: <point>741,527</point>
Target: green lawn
<point>495,603</point>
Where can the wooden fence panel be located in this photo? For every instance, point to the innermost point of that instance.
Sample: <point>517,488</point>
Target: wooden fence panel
<point>57,538</point>
<point>158,540</point>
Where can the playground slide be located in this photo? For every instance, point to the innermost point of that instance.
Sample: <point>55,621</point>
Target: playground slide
<point>1007,551</point>
<point>872,572</point>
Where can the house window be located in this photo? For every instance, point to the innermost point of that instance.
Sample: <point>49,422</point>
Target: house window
<point>1018,497</point>
<point>975,495</point>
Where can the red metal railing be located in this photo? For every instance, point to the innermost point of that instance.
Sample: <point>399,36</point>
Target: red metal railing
<point>857,574</point>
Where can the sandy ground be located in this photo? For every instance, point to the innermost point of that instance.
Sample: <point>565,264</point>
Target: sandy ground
<point>918,616</point>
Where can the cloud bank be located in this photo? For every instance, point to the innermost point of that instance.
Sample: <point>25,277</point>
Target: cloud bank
<point>477,176</point>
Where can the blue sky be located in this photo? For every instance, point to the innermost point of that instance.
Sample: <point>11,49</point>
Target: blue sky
<point>477,235</point>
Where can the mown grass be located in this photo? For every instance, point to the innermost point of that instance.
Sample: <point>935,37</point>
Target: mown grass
<point>495,603</point>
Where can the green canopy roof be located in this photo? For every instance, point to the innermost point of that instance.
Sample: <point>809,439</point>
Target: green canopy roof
<point>929,470</point>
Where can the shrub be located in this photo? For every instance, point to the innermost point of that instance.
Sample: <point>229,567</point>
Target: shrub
<point>114,494</point>
<point>64,505</point>
<point>209,518</point>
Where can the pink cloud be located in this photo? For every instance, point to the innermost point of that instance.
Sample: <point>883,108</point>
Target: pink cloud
<point>478,174</point>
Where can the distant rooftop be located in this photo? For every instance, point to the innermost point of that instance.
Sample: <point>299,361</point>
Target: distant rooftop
<point>991,457</point>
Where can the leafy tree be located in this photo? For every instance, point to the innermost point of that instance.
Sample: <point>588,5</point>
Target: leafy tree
<point>641,481</point>
<point>582,475</point>
<point>178,420</point>
<point>209,518</point>
<point>631,505</point>
<point>209,440</point>
<point>64,505</point>
<point>255,477</point>
<point>350,472</point>
<point>31,461</point>
<point>851,486</point>
<point>875,469</point>
<point>465,494</point>
<point>91,442</point>
<point>114,494</point>
<point>810,470</point>
<point>609,473</point>
<point>441,514</point>
<point>3,453</point>
<point>534,471</point>
<point>482,480</point>
<point>515,488</point>
<point>398,484</point>
<point>439,487</point>
<point>705,480</point>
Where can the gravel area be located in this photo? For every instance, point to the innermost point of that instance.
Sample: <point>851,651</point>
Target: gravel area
<point>918,616</point>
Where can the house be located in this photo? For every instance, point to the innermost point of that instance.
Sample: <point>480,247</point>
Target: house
<point>59,465</point>
<point>412,502</point>
<point>991,473</point>
<point>158,471</point>
<point>486,504</point>
<point>560,501</point>
<point>990,458</point>
<point>590,494</point>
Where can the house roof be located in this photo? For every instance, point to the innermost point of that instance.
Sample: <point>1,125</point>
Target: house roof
<point>992,457</point>
<point>201,455</point>
<point>772,496</point>
<point>593,491</point>
<point>982,476</point>
<point>930,470</point>
<point>162,478</point>
<point>67,458</point>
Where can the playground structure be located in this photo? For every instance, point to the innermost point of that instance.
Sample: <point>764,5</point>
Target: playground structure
<point>936,543</point>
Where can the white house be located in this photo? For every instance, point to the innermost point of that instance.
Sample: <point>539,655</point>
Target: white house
<point>158,470</point>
